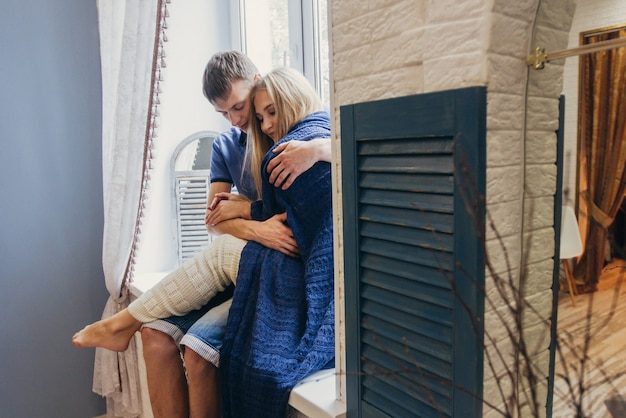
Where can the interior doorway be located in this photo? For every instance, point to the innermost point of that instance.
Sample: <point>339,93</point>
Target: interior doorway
<point>617,234</point>
<point>601,179</point>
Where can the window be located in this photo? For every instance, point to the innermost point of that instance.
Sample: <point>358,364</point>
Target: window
<point>320,59</point>
<point>273,33</point>
<point>268,45</point>
<point>292,33</point>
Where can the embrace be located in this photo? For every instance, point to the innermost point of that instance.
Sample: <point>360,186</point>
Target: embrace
<point>280,325</point>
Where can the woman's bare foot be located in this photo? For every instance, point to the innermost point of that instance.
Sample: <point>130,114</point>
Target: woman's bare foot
<point>113,333</point>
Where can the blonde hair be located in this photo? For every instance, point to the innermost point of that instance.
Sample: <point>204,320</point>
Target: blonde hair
<point>294,98</point>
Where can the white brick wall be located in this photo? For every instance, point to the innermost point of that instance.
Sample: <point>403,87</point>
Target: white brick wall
<point>391,48</point>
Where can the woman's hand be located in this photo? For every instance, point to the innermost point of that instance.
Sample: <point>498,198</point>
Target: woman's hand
<point>225,206</point>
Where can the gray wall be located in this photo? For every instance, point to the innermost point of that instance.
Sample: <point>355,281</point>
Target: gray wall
<point>51,280</point>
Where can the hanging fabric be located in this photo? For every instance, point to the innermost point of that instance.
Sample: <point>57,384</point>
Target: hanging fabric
<point>131,51</point>
<point>602,181</point>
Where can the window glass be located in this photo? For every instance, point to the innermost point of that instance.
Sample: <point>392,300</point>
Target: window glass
<point>266,24</point>
<point>291,33</point>
<point>321,50</point>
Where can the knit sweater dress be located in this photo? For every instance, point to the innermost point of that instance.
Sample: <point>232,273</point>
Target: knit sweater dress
<point>281,323</point>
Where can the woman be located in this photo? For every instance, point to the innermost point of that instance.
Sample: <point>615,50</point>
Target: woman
<point>281,323</point>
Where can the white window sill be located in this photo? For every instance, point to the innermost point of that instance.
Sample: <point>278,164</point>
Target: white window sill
<point>144,281</point>
<point>314,396</point>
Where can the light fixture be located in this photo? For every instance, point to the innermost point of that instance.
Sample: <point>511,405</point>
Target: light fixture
<point>571,246</point>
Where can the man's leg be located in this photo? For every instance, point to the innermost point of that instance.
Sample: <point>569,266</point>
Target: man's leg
<point>167,384</point>
<point>204,386</point>
<point>202,344</point>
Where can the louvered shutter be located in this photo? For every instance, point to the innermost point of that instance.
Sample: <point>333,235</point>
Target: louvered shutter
<point>191,201</point>
<point>190,166</point>
<point>413,181</point>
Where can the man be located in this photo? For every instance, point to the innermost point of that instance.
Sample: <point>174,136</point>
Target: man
<point>192,390</point>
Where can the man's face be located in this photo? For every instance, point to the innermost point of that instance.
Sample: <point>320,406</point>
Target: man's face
<point>236,107</point>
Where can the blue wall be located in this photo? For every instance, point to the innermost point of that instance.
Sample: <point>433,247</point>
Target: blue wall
<point>51,217</point>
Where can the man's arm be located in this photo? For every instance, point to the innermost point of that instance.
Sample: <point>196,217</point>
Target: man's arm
<point>272,233</point>
<point>218,228</point>
<point>295,158</point>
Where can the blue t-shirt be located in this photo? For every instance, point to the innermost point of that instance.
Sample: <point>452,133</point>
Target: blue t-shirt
<point>229,150</point>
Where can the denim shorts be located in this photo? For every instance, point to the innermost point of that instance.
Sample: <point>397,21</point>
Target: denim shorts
<point>201,330</point>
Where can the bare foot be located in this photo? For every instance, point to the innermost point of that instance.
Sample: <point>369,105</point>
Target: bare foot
<point>113,333</point>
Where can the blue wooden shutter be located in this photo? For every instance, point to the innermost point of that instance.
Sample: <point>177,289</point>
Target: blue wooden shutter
<point>413,175</point>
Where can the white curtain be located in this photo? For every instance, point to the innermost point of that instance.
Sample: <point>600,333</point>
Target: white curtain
<point>127,45</point>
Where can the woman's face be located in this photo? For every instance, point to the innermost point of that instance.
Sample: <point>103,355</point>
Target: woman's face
<point>266,113</point>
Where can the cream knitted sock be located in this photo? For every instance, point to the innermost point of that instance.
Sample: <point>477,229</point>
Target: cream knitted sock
<point>193,284</point>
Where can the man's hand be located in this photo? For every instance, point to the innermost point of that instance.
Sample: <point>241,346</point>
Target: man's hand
<point>295,158</point>
<point>225,206</point>
<point>273,233</point>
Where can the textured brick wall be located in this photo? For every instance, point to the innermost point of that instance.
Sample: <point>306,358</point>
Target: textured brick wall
<point>391,48</point>
<point>553,22</point>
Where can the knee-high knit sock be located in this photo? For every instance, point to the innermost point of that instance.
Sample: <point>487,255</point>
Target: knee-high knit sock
<point>193,284</point>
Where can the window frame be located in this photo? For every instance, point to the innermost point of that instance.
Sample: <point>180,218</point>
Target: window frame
<point>304,37</point>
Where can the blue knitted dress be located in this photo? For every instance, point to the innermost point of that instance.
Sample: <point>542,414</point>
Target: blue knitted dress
<point>281,326</point>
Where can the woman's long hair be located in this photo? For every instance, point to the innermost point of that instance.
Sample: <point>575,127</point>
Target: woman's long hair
<point>294,98</point>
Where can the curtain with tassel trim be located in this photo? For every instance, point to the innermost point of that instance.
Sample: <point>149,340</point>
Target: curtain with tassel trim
<point>132,61</point>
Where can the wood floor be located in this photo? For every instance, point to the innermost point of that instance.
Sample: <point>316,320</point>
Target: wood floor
<point>602,317</point>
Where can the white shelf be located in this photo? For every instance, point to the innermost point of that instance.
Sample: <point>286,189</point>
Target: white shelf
<point>144,281</point>
<point>316,396</point>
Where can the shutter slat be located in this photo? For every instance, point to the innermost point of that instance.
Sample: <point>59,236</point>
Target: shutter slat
<point>386,407</point>
<point>407,286</point>
<point>431,221</point>
<point>422,335</point>
<point>193,214</point>
<point>410,182</point>
<point>408,200</point>
<point>422,274</point>
<point>430,257</point>
<point>193,200</point>
<point>410,236</point>
<point>198,233</point>
<point>407,164</point>
<point>439,145</point>
<point>398,403</point>
<point>420,309</point>
<point>414,377</point>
